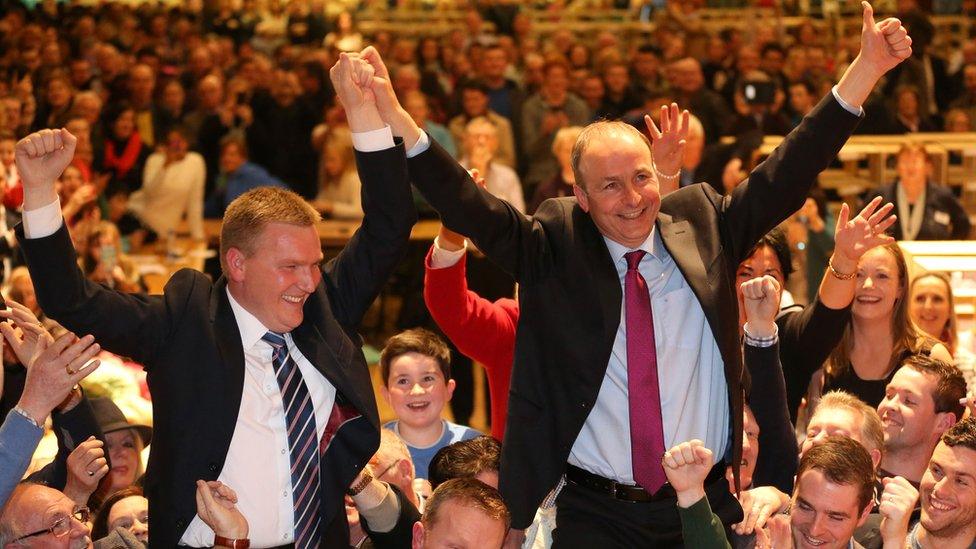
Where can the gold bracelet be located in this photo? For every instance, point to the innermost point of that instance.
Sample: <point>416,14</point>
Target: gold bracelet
<point>839,275</point>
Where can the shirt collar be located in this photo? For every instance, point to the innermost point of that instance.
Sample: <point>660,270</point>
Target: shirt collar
<point>653,245</point>
<point>251,329</point>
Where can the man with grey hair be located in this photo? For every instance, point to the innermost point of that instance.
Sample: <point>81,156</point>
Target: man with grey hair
<point>37,515</point>
<point>603,382</point>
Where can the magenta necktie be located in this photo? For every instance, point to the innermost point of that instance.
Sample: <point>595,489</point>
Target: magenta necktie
<point>646,426</point>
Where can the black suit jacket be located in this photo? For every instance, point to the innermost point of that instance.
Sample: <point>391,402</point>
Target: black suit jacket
<point>570,295</point>
<point>943,219</point>
<point>189,342</point>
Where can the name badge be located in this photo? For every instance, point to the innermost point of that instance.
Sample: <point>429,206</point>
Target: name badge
<point>942,218</point>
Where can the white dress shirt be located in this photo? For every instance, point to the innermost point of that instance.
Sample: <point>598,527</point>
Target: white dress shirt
<point>691,373</point>
<point>258,463</point>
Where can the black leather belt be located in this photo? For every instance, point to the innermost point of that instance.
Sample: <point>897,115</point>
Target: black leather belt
<point>629,492</point>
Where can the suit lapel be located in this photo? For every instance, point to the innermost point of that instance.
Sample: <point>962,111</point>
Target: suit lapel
<point>604,274</point>
<point>228,338</point>
<point>679,239</point>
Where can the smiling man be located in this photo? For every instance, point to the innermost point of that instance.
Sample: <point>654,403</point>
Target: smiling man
<point>628,336</point>
<point>258,375</point>
<point>948,493</point>
<point>833,496</point>
<point>921,402</point>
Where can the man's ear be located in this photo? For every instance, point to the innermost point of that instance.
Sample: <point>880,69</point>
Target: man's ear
<point>406,468</point>
<point>451,384</point>
<point>865,512</point>
<point>875,457</point>
<point>943,421</point>
<point>582,198</point>
<point>418,535</point>
<point>235,259</point>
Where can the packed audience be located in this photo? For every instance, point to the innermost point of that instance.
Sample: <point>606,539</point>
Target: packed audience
<point>652,290</point>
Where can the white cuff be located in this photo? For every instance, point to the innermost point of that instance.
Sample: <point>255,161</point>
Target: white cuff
<point>442,259</point>
<point>859,111</point>
<point>43,221</point>
<point>420,146</point>
<point>373,140</point>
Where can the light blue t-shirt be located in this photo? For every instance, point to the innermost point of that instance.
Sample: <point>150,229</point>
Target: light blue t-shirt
<point>421,456</point>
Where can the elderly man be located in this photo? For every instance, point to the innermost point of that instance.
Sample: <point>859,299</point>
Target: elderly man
<point>38,516</point>
<point>233,363</point>
<point>588,398</point>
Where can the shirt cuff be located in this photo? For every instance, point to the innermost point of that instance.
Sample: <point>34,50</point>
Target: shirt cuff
<point>859,111</point>
<point>43,221</point>
<point>420,146</point>
<point>442,259</point>
<point>767,341</point>
<point>373,140</point>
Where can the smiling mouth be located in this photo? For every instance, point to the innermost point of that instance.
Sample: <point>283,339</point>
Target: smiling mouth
<point>811,541</point>
<point>867,299</point>
<point>293,299</point>
<point>938,505</point>
<point>418,406</point>
<point>632,215</point>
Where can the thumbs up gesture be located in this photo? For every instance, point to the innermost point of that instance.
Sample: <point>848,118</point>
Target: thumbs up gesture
<point>884,44</point>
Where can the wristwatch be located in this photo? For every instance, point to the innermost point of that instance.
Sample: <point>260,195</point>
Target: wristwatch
<point>232,543</point>
<point>361,485</point>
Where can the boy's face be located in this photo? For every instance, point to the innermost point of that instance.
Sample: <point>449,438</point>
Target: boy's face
<point>7,151</point>
<point>417,390</point>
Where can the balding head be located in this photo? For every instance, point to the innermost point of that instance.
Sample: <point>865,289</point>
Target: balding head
<point>32,509</point>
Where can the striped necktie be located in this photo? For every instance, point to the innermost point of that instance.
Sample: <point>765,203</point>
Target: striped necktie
<point>303,442</point>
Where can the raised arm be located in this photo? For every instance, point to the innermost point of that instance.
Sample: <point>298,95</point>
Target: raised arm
<point>514,241</point>
<point>779,186</point>
<point>356,276</point>
<point>686,466</point>
<point>777,459</point>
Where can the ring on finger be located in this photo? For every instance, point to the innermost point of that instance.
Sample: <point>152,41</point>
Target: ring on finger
<point>90,473</point>
<point>69,370</point>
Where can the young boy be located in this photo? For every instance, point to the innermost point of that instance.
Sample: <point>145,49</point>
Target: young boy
<point>416,369</point>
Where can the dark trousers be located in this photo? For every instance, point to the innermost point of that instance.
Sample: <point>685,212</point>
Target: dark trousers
<point>587,518</point>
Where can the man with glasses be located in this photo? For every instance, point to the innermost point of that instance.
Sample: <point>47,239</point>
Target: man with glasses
<point>38,516</point>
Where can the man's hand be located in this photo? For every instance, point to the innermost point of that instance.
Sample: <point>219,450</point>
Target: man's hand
<point>686,466</point>
<point>351,77</point>
<point>897,502</point>
<point>216,507</point>
<point>668,142</point>
<point>56,367</point>
<point>387,103</point>
<point>758,505</point>
<point>883,45</point>
<point>854,237</point>
<point>41,158</point>
<point>778,534</point>
<point>760,297</point>
<point>86,467</point>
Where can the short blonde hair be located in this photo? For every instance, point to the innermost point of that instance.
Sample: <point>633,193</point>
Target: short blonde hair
<point>871,430</point>
<point>567,135</point>
<point>250,213</point>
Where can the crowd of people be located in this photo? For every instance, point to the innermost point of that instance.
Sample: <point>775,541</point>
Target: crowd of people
<point>669,373</point>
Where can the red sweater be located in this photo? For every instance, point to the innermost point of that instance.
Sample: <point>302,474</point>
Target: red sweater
<point>480,329</point>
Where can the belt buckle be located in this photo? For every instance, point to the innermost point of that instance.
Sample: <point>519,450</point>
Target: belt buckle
<point>620,493</point>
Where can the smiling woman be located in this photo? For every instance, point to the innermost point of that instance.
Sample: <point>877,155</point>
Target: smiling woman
<point>124,442</point>
<point>880,335</point>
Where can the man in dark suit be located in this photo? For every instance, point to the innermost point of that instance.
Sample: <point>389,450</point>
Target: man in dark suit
<point>570,406</point>
<point>258,379</point>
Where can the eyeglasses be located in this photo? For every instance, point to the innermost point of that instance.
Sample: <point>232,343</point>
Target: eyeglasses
<point>62,526</point>
<point>389,468</point>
